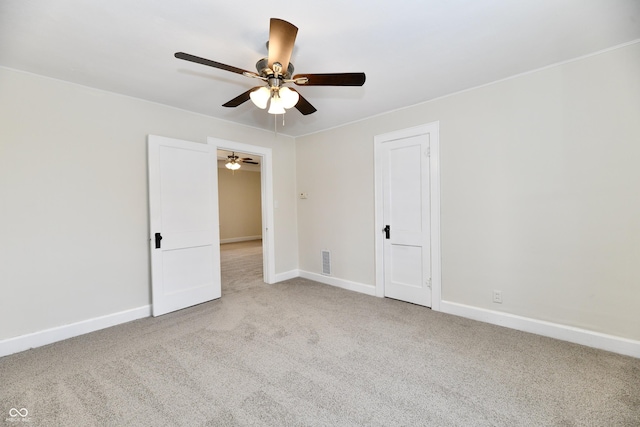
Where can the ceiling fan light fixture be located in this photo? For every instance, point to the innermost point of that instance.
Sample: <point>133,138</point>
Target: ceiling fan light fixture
<point>260,97</point>
<point>233,162</point>
<point>233,165</point>
<point>276,106</point>
<point>288,97</point>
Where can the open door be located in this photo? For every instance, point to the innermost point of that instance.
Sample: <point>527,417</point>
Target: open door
<point>183,210</point>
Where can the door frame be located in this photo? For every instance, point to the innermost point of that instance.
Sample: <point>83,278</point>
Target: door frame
<point>266,194</point>
<point>433,129</point>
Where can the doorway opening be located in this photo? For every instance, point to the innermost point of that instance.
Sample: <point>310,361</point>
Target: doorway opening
<point>243,240</point>
<point>240,213</point>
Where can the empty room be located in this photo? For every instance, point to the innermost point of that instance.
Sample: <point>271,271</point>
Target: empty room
<point>340,213</point>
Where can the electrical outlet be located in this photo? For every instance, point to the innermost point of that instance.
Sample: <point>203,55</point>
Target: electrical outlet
<point>497,296</point>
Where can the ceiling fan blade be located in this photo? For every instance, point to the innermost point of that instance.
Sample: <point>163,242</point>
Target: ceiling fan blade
<point>282,37</point>
<point>240,99</point>
<point>335,79</point>
<point>304,106</point>
<point>210,63</point>
<point>250,162</point>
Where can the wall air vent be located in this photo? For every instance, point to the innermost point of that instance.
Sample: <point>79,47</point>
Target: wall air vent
<point>326,263</point>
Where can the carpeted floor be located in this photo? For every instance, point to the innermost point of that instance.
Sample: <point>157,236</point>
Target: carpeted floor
<point>300,353</point>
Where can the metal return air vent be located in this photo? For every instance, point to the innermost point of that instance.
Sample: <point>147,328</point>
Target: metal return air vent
<point>326,263</point>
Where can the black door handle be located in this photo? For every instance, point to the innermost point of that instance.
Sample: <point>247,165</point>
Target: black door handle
<point>387,231</point>
<point>158,238</point>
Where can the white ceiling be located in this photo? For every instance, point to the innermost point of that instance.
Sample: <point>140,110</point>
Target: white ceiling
<point>411,51</point>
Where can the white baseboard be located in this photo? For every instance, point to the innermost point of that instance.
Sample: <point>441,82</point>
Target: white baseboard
<point>340,283</point>
<point>575,335</point>
<point>593,339</point>
<point>49,336</point>
<point>281,277</point>
<point>239,239</point>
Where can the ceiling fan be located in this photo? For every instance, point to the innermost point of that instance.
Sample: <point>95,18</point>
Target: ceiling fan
<point>233,161</point>
<point>276,71</point>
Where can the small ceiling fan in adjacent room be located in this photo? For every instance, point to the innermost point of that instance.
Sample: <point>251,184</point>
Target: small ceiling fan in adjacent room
<point>276,72</point>
<point>233,161</point>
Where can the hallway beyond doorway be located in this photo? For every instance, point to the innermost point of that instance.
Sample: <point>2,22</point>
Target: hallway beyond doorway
<point>241,265</point>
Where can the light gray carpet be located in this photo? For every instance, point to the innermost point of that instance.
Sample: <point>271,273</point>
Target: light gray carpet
<point>300,353</point>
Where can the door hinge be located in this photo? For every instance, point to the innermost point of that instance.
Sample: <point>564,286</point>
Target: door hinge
<point>429,283</point>
<point>428,152</point>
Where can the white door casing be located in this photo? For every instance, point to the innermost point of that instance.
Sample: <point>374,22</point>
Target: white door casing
<point>183,209</point>
<point>408,200</point>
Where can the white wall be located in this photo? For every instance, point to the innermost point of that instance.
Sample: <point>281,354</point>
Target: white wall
<point>539,184</point>
<point>73,198</point>
<point>335,169</point>
<point>239,204</point>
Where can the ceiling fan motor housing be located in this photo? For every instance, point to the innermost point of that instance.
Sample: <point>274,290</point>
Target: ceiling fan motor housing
<point>263,69</point>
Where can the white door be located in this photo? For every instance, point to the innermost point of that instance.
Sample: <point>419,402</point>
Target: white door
<point>406,218</point>
<point>183,210</point>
